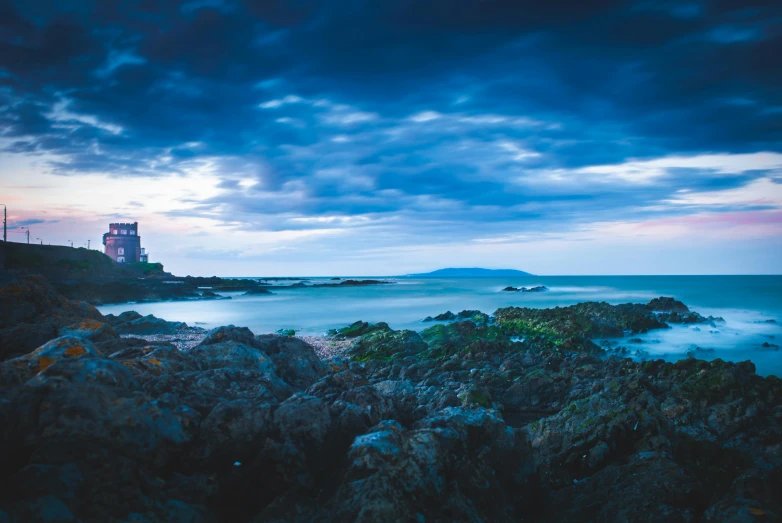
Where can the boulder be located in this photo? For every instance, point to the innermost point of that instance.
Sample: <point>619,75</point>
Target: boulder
<point>667,304</point>
<point>92,330</point>
<point>229,333</point>
<point>149,325</point>
<point>257,291</point>
<point>295,360</point>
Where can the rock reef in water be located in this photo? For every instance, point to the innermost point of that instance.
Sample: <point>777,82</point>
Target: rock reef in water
<point>257,291</point>
<point>511,417</point>
<point>344,283</point>
<point>539,288</point>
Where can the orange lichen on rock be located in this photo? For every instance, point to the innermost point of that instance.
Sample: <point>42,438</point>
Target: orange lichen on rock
<point>76,350</point>
<point>90,324</point>
<point>44,362</point>
<point>154,361</point>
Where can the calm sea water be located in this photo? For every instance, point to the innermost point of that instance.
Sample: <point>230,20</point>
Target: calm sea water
<point>746,303</point>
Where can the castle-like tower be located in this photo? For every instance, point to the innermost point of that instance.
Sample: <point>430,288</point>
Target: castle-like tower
<point>123,244</point>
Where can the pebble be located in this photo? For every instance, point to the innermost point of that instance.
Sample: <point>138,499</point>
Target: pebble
<point>326,347</point>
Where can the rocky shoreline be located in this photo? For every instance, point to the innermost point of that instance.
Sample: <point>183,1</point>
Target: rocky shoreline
<point>512,416</point>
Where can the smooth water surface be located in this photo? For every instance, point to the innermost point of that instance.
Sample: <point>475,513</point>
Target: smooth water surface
<point>745,302</point>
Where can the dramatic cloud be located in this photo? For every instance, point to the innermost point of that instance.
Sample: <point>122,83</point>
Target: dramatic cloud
<point>402,129</point>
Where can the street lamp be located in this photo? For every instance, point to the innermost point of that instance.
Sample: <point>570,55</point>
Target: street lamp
<point>27,229</point>
<point>40,239</point>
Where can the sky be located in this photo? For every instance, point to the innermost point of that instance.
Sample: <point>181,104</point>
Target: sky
<point>303,137</point>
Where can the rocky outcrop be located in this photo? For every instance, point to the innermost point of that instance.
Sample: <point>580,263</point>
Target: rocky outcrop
<point>594,320</point>
<point>538,288</point>
<point>131,322</point>
<point>32,313</point>
<point>257,291</point>
<point>516,417</point>
<point>667,305</point>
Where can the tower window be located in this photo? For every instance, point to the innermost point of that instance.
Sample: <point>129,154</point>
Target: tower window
<point>123,231</point>
<point>121,251</point>
<point>121,259</point>
<point>114,231</point>
<point>132,232</point>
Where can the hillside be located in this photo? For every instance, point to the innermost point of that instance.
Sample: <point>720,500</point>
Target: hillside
<point>59,263</point>
<point>91,276</point>
<point>473,272</point>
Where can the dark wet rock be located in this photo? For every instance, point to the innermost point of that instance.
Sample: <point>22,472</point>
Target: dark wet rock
<point>462,337</point>
<point>149,324</point>
<point>474,316</point>
<point>257,291</point>
<point>110,347</point>
<point>49,509</point>
<point>667,493</point>
<point>229,333</point>
<point>124,317</point>
<point>446,316</point>
<point>395,474</point>
<point>588,320</point>
<point>32,313</point>
<point>538,288</point>
<point>211,295</point>
<point>343,283</point>
<point>384,344</point>
<point>520,417</point>
<point>667,305</point>
<point>295,360</point>
<point>687,318</point>
<point>232,354</point>
<point>357,329</point>
<point>359,283</point>
<point>233,431</point>
<point>92,330</point>
<point>21,369</point>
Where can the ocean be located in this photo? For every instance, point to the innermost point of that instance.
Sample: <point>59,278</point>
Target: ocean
<point>747,303</point>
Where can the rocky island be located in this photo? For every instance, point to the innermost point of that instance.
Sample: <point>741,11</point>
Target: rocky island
<point>517,415</point>
<point>537,288</point>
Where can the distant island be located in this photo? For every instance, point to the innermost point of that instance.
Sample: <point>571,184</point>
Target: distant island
<point>473,272</point>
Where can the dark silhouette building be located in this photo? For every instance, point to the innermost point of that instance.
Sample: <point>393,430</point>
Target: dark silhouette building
<point>123,244</point>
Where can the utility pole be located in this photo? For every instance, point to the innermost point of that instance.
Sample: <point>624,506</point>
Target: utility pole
<point>88,244</point>
<point>28,236</point>
<point>5,222</point>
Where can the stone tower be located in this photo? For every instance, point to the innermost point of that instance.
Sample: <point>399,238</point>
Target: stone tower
<point>123,244</point>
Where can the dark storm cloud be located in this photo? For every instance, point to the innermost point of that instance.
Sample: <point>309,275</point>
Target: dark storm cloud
<point>399,112</point>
